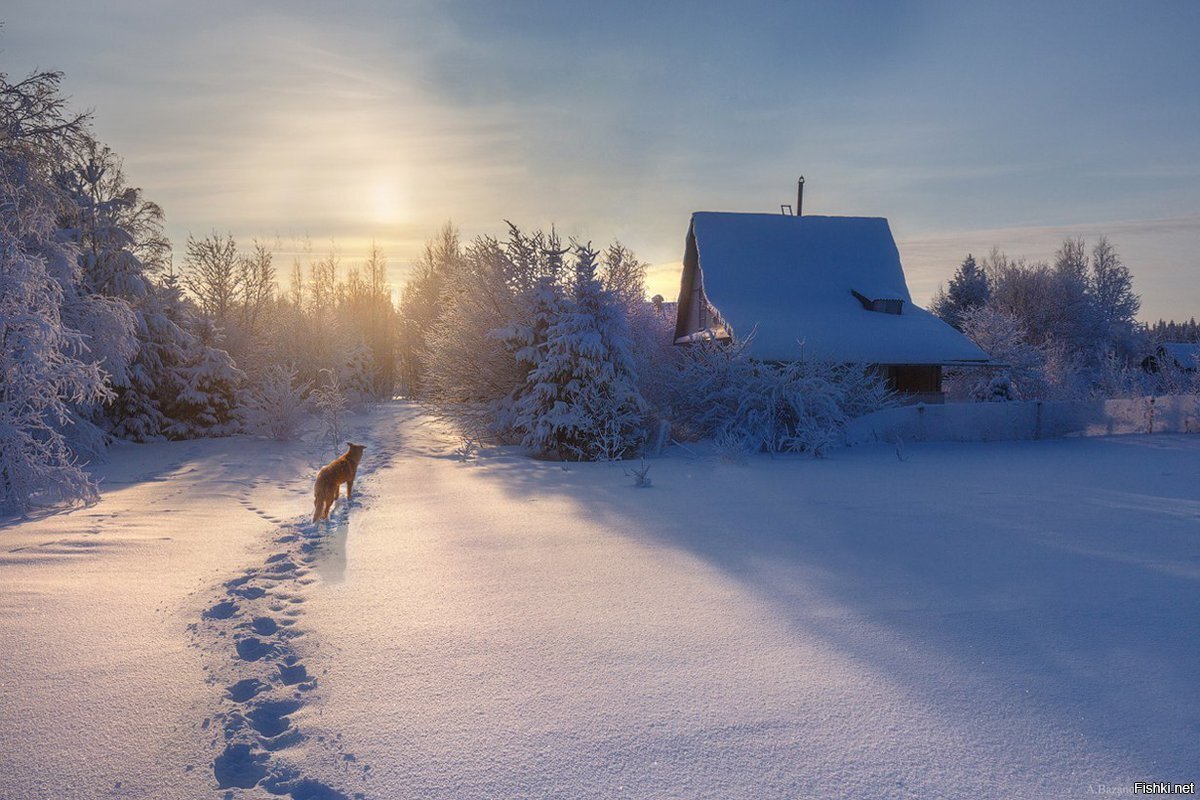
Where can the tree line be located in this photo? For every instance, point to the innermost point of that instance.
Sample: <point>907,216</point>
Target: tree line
<point>101,338</point>
<point>1064,329</point>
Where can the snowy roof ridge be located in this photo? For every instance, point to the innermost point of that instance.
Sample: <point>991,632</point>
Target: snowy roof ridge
<point>793,278</point>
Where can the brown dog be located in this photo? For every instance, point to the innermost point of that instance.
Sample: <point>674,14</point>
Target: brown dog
<point>329,480</point>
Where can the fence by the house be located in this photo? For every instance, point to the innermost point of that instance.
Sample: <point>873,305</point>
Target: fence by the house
<point>1031,419</point>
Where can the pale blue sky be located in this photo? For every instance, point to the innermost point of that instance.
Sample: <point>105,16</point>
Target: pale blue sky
<point>966,124</point>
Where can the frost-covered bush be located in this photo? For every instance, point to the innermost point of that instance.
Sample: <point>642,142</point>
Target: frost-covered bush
<point>797,406</point>
<point>999,389</point>
<point>1002,336</point>
<point>330,401</point>
<point>1170,377</point>
<point>277,403</point>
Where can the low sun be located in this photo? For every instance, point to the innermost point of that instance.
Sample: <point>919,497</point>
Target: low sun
<point>386,203</point>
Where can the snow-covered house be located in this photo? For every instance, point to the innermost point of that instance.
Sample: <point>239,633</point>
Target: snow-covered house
<point>1174,355</point>
<point>829,288</point>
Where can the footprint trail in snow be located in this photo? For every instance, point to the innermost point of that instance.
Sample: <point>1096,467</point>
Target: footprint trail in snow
<point>249,633</point>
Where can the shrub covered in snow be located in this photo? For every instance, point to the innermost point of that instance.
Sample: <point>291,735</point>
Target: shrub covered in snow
<point>330,401</point>
<point>276,403</point>
<point>797,406</point>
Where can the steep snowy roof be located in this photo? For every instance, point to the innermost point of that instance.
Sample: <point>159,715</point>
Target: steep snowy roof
<point>1185,354</point>
<point>796,279</point>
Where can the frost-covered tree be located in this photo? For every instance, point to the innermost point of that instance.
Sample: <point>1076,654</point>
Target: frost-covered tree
<point>122,250</point>
<point>582,401</point>
<point>43,362</point>
<point>969,288</point>
<point>466,370</point>
<point>1115,303</point>
<point>625,276</point>
<point>368,315</point>
<point>208,398</point>
<point>1001,335</point>
<point>330,402</point>
<point>355,371</point>
<point>46,366</point>
<point>1077,322</point>
<point>212,274</point>
<point>255,285</point>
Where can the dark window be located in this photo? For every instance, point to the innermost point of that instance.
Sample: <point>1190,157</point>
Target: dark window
<point>914,379</point>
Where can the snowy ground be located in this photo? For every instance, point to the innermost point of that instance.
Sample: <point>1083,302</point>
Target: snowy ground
<point>980,620</point>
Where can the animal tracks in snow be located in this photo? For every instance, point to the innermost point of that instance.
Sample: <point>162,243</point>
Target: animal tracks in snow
<point>248,634</point>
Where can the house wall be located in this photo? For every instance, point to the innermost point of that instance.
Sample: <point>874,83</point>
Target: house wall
<point>914,378</point>
<point>690,310</point>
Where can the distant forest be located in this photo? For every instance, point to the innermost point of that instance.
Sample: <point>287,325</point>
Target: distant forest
<point>1172,331</point>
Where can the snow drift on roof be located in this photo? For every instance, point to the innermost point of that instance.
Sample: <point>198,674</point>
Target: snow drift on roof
<point>1185,354</point>
<point>792,279</point>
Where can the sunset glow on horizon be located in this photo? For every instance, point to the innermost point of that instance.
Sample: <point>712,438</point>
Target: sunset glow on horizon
<point>381,123</point>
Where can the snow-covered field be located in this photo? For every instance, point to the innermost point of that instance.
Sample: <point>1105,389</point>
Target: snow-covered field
<point>978,620</point>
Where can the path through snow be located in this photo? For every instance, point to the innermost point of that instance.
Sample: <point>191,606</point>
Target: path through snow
<point>985,620</point>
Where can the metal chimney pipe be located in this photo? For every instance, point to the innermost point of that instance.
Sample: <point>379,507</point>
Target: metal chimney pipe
<point>799,196</point>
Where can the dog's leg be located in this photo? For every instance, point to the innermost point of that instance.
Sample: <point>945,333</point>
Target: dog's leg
<point>316,508</point>
<point>350,489</point>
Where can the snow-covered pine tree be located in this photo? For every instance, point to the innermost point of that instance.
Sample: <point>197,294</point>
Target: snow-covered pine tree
<point>525,339</point>
<point>969,288</point>
<point>583,401</point>
<point>207,403</point>
<point>121,243</point>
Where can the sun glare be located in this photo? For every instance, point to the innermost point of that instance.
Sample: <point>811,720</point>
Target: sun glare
<point>387,205</point>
